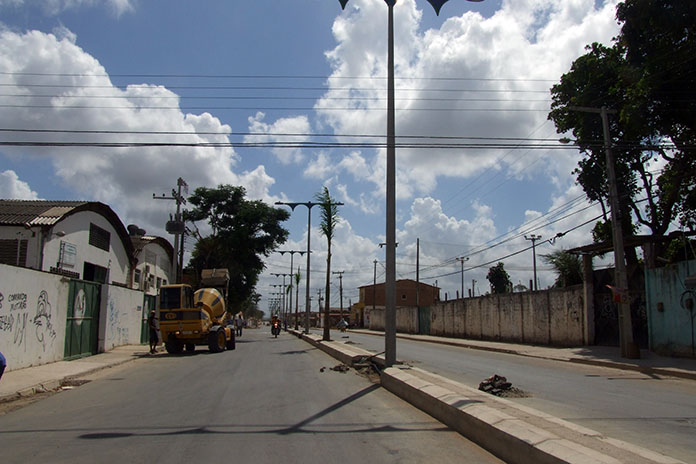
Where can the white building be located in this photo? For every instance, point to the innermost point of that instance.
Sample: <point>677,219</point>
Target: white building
<point>79,239</point>
<point>154,257</point>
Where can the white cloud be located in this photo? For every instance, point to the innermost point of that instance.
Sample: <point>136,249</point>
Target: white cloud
<point>294,130</point>
<point>123,177</point>
<point>512,58</point>
<point>13,188</point>
<point>54,7</point>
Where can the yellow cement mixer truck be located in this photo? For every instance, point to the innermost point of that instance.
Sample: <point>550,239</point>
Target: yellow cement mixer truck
<point>189,318</point>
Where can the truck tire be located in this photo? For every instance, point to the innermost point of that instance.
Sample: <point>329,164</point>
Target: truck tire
<point>174,347</point>
<point>216,341</point>
<point>232,342</point>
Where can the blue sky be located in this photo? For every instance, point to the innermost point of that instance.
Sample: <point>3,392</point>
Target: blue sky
<point>476,78</point>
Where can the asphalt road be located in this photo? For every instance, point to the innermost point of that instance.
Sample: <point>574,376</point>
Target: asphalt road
<point>266,402</point>
<point>657,413</point>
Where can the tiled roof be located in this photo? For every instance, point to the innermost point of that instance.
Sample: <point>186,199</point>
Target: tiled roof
<point>35,212</point>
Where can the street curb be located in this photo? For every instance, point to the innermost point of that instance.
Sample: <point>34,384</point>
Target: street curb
<point>54,384</point>
<point>485,422</point>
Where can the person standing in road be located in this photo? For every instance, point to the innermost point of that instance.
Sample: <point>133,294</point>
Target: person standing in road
<point>3,364</point>
<point>154,335</point>
<point>239,324</point>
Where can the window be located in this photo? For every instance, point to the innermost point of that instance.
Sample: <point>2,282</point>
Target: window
<point>136,278</point>
<point>99,237</point>
<point>94,273</point>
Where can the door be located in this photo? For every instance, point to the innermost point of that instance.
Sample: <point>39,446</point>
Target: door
<point>149,302</point>
<point>424,320</point>
<point>82,328</point>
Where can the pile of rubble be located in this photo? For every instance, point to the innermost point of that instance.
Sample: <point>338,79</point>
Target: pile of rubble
<point>499,386</point>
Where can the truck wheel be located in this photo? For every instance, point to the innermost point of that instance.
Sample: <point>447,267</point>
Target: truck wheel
<point>190,347</point>
<point>174,347</point>
<point>232,342</point>
<point>217,341</point>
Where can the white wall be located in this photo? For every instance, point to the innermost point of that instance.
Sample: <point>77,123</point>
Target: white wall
<point>33,314</point>
<point>120,317</point>
<point>155,256</point>
<point>76,230</point>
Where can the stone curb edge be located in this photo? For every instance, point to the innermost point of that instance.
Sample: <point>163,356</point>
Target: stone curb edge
<point>508,438</point>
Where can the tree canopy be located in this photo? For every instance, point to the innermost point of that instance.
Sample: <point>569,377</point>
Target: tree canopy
<point>568,267</point>
<point>499,279</point>
<point>242,231</point>
<point>648,77</point>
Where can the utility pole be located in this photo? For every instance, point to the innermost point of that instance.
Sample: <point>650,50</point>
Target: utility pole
<point>340,288</point>
<point>176,227</point>
<point>292,253</point>
<point>534,238</point>
<point>374,286</point>
<point>628,347</point>
<point>462,260</point>
<point>418,273</point>
<point>319,300</point>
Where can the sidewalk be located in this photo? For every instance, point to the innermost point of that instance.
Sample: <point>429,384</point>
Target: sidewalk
<point>47,377</point>
<point>606,356</point>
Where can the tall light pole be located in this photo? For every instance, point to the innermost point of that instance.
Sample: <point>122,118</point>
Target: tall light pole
<point>279,274</point>
<point>292,253</point>
<point>534,238</point>
<point>390,282</point>
<point>309,205</point>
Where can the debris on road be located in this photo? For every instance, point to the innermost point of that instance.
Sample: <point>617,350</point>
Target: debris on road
<point>338,368</point>
<point>499,386</point>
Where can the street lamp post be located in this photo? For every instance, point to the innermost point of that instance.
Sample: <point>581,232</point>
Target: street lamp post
<point>278,274</point>
<point>292,252</point>
<point>309,205</point>
<point>390,279</point>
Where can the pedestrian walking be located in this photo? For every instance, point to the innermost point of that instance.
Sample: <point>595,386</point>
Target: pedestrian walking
<point>239,324</point>
<point>154,333</point>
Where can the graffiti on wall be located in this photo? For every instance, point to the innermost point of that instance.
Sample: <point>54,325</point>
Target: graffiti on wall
<point>45,333</point>
<point>14,318</point>
<point>119,334</point>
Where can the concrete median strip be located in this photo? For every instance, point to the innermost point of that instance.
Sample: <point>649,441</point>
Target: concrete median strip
<point>516,434</point>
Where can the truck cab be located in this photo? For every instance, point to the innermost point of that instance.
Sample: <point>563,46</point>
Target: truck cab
<point>189,318</point>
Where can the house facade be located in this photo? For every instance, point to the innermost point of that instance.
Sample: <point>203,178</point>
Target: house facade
<point>154,257</point>
<point>81,240</point>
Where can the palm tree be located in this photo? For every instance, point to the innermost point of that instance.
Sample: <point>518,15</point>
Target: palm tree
<point>298,278</point>
<point>329,219</point>
<point>568,268</point>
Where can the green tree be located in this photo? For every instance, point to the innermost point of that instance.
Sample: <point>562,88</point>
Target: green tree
<point>499,279</point>
<point>646,77</point>
<point>242,232</point>
<point>329,219</point>
<point>298,278</point>
<point>568,268</point>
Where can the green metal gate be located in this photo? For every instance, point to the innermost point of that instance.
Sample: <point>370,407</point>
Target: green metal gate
<point>82,328</point>
<point>149,303</point>
<point>424,320</point>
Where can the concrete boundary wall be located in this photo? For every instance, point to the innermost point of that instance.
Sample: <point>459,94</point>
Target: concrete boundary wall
<point>549,317</point>
<point>34,311</point>
<point>33,315</point>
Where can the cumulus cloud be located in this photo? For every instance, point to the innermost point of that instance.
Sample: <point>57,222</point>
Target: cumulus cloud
<point>474,77</point>
<point>13,188</point>
<point>124,177</point>
<point>290,131</point>
<point>54,7</point>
